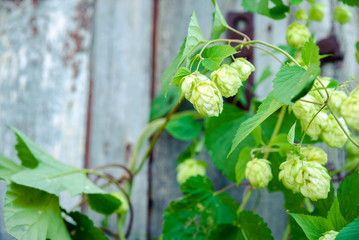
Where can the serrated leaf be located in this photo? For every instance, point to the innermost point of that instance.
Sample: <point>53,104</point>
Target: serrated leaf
<point>215,55</point>
<point>219,133</point>
<point>293,82</point>
<point>103,203</point>
<point>193,40</point>
<point>181,73</point>
<point>184,128</point>
<point>51,175</point>
<point>162,105</point>
<point>84,228</point>
<point>323,206</point>
<point>243,159</point>
<point>200,211</point>
<point>253,226</point>
<point>350,2</point>
<point>226,232</point>
<point>267,108</point>
<point>33,214</point>
<point>351,231</point>
<point>261,6</point>
<point>335,218</point>
<point>310,53</point>
<point>219,24</point>
<point>26,157</point>
<point>312,226</point>
<point>291,134</point>
<point>333,84</point>
<point>8,168</point>
<point>348,197</point>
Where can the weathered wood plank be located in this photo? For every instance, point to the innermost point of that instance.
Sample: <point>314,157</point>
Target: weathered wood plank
<point>121,90</point>
<point>44,59</point>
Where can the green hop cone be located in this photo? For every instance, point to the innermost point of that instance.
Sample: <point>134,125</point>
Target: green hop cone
<point>190,168</point>
<point>289,172</point>
<point>244,68</point>
<point>315,179</point>
<point>330,235</point>
<point>258,172</point>
<point>305,109</point>
<point>301,15</point>
<point>316,11</point>
<point>123,208</point>
<point>227,80</point>
<point>316,126</point>
<point>350,110</point>
<point>188,83</point>
<point>207,99</point>
<point>336,100</point>
<point>297,35</point>
<point>342,14</point>
<point>332,134</point>
<point>351,148</point>
<point>315,154</point>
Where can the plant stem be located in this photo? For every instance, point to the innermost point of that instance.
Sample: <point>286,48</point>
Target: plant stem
<point>246,198</point>
<point>158,134</point>
<point>276,129</point>
<point>286,232</point>
<point>308,205</point>
<point>238,32</point>
<point>268,52</point>
<point>306,129</point>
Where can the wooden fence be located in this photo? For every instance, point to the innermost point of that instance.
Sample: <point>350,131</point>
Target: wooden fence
<point>77,76</point>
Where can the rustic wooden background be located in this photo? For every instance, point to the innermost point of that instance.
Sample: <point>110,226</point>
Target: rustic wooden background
<point>77,76</point>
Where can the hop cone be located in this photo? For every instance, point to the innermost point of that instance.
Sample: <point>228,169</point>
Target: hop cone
<point>258,172</point>
<point>207,99</point>
<point>297,35</point>
<point>190,168</point>
<point>227,80</point>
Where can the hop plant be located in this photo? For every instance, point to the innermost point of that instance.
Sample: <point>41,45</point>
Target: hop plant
<point>350,110</point>
<point>297,35</point>
<point>207,99</point>
<point>244,68</point>
<point>330,235</point>
<point>342,14</point>
<point>336,100</point>
<point>316,11</point>
<point>258,172</point>
<point>301,15</point>
<point>309,178</point>
<point>332,134</point>
<point>227,80</point>
<point>315,154</point>
<point>190,168</point>
<point>123,208</point>
<point>315,129</point>
<point>188,83</point>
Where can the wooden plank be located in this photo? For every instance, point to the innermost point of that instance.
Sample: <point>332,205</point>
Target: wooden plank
<point>44,59</point>
<point>121,90</point>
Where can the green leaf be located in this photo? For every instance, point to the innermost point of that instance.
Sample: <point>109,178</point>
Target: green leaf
<point>171,70</point>
<point>226,232</point>
<point>33,214</point>
<point>219,133</point>
<point>162,105</point>
<point>8,168</point>
<point>312,226</point>
<point>323,206</point>
<point>295,2</point>
<point>200,211</point>
<point>351,231</point>
<point>51,175</point>
<point>333,84</point>
<point>181,73</point>
<point>253,226</point>
<point>348,197</point>
<point>84,228</point>
<point>23,152</point>
<point>192,150</point>
<point>184,128</point>
<point>243,159</point>
<point>261,6</point>
<point>267,108</point>
<point>215,55</point>
<point>335,218</point>
<point>291,134</point>
<point>357,46</point>
<point>350,2</point>
<point>103,203</point>
<point>310,53</point>
<point>219,23</point>
<point>293,82</point>
<point>257,135</point>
